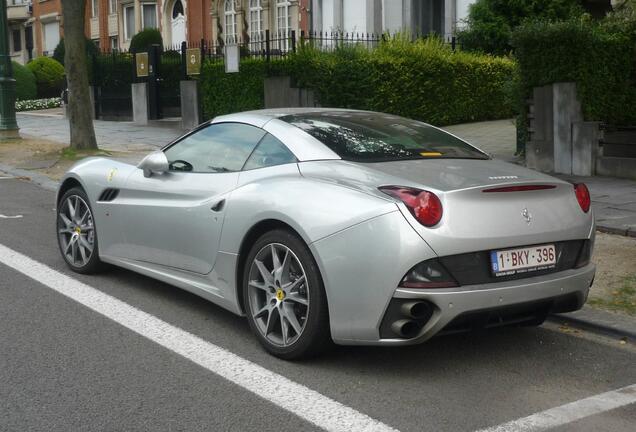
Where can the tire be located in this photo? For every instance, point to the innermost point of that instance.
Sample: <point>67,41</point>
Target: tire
<point>285,298</point>
<point>77,239</point>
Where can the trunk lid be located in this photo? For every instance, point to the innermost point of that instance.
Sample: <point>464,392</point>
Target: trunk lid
<point>473,220</point>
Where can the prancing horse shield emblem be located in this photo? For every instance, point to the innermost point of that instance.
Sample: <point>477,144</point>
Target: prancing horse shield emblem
<point>526,215</point>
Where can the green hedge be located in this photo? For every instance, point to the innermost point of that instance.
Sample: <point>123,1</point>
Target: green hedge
<point>49,76</point>
<point>25,87</point>
<point>424,80</point>
<point>600,57</point>
<point>144,39</point>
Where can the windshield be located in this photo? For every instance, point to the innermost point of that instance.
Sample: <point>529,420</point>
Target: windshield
<point>375,137</point>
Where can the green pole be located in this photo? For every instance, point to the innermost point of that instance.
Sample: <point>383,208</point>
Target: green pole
<point>8,124</point>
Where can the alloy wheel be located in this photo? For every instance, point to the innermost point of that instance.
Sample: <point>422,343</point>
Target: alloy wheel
<point>76,231</point>
<point>278,294</point>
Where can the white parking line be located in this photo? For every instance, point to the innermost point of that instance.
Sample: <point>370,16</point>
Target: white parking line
<point>571,412</point>
<point>284,393</point>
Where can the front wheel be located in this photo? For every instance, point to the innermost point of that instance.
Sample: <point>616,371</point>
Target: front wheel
<point>76,235</point>
<point>284,297</point>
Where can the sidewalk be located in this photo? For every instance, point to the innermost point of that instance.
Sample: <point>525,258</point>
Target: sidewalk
<point>111,136</point>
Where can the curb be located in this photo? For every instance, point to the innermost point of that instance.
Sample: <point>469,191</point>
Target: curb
<point>613,230</point>
<point>599,321</point>
<point>39,179</point>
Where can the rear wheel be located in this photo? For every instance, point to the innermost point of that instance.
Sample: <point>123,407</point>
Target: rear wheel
<point>284,297</point>
<point>76,235</point>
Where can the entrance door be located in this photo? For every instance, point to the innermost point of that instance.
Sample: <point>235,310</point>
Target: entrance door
<point>178,23</point>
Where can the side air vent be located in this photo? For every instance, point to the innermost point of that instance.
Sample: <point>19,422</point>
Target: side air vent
<point>108,194</point>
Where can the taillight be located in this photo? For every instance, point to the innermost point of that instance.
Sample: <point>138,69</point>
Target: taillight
<point>582,196</point>
<point>428,274</point>
<point>425,206</point>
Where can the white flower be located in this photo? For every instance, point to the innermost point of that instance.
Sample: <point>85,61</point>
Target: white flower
<point>37,104</point>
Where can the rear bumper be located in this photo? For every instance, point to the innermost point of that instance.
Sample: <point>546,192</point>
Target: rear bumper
<point>566,290</point>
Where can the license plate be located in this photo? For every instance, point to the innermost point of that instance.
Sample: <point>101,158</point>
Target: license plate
<point>522,260</point>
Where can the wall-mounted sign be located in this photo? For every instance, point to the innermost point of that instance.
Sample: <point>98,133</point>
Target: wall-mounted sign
<point>193,61</point>
<point>231,58</point>
<point>141,59</point>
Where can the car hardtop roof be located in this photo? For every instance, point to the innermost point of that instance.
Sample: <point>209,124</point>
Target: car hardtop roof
<point>264,115</point>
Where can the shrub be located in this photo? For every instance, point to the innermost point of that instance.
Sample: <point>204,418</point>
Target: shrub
<point>58,53</point>
<point>424,80</point>
<point>600,57</point>
<point>490,22</point>
<point>141,41</point>
<point>49,76</point>
<point>25,87</point>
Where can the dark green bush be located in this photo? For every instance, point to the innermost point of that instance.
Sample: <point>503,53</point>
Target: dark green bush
<point>423,80</point>
<point>490,22</point>
<point>144,39</point>
<point>49,76</point>
<point>25,88</point>
<point>58,53</point>
<point>600,57</point>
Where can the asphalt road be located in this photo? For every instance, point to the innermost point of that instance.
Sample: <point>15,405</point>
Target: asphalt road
<point>64,367</point>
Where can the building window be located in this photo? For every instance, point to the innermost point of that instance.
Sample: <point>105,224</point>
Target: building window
<point>51,36</point>
<point>283,24</point>
<point>230,22</point>
<point>94,8</point>
<point>177,9</point>
<point>112,7</point>
<point>96,43</point>
<point>256,20</point>
<point>114,46</point>
<point>129,22</point>
<point>17,40</point>
<point>149,15</point>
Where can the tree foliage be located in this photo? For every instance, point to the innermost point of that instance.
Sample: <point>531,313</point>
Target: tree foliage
<point>490,22</point>
<point>599,56</point>
<point>58,53</point>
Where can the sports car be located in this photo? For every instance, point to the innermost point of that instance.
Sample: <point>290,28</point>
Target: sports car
<point>333,225</point>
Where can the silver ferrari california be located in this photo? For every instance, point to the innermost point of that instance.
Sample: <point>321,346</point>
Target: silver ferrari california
<point>325,225</point>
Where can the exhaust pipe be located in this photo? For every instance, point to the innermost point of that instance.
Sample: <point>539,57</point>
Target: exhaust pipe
<point>406,328</point>
<point>417,310</point>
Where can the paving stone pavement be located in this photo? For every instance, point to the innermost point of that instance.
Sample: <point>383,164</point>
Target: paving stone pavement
<point>613,200</point>
<point>497,138</point>
<point>111,136</point>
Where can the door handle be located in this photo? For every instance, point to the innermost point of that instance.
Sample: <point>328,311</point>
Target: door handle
<point>218,206</point>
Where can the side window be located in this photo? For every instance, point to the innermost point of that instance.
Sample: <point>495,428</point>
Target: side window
<point>269,152</point>
<point>221,147</point>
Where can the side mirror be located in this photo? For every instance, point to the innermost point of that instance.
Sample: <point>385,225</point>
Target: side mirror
<point>154,163</point>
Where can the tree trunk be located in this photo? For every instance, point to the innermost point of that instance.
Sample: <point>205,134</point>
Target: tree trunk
<point>79,110</point>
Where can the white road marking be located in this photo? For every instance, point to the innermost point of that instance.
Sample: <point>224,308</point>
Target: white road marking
<point>284,393</point>
<point>571,412</point>
<point>10,217</point>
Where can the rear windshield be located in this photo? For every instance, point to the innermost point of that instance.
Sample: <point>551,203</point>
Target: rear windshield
<point>375,137</point>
